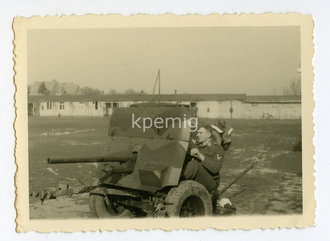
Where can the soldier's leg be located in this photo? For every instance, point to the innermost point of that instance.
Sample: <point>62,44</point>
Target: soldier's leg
<point>195,171</point>
<point>191,169</point>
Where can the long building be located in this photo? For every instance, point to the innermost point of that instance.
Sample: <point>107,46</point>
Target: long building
<point>225,106</point>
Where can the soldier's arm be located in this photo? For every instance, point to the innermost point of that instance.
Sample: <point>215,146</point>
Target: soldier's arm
<point>213,161</point>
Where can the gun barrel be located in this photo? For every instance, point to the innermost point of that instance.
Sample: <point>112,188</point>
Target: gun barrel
<point>117,157</point>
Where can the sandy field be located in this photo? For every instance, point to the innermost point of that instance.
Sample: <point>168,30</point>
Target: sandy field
<point>274,186</point>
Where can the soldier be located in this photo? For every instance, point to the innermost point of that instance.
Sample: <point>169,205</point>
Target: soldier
<point>207,160</point>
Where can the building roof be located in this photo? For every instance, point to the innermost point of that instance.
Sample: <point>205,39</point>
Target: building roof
<point>168,97</point>
<point>144,97</point>
<point>273,99</point>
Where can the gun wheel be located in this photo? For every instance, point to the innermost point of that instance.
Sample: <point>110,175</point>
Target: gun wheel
<point>189,199</point>
<point>100,209</point>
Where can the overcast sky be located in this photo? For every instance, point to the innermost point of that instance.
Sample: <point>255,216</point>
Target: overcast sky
<point>251,60</point>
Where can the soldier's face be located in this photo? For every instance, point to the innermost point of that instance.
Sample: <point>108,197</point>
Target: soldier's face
<point>203,134</point>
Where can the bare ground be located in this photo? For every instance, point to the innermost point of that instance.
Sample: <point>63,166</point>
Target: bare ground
<point>274,186</point>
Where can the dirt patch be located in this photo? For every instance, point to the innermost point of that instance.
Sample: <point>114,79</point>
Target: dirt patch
<point>288,162</point>
<point>73,207</point>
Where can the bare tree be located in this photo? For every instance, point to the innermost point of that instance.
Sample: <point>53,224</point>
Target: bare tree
<point>90,91</point>
<point>294,88</point>
<point>130,92</point>
<point>113,92</point>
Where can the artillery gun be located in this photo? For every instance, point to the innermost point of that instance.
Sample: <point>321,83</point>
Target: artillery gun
<point>147,176</point>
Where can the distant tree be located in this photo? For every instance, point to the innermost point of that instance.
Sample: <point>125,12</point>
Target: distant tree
<point>131,92</point>
<point>97,92</point>
<point>29,89</point>
<point>43,89</point>
<point>294,88</point>
<point>90,91</point>
<point>112,92</point>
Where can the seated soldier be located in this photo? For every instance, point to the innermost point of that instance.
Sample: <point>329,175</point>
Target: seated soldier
<point>207,160</point>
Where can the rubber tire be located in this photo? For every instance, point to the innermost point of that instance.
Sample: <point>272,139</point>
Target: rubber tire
<point>177,196</point>
<point>98,208</point>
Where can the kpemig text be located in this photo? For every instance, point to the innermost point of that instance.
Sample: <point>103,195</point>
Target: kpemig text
<point>145,123</point>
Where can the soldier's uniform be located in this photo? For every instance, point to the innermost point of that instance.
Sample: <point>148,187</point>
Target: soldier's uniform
<point>206,172</point>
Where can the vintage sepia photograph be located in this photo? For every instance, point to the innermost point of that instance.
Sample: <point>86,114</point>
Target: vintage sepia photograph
<point>169,121</point>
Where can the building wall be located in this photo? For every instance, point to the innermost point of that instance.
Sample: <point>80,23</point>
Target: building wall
<point>272,111</point>
<point>206,109</point>
<point>88,108</point>
<point>220,109</point>
<point>291,111</point>
<point>71,109</point>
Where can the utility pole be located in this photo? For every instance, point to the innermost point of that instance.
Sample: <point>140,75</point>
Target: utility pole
<point>159,85</point>
<point>157,80</point>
